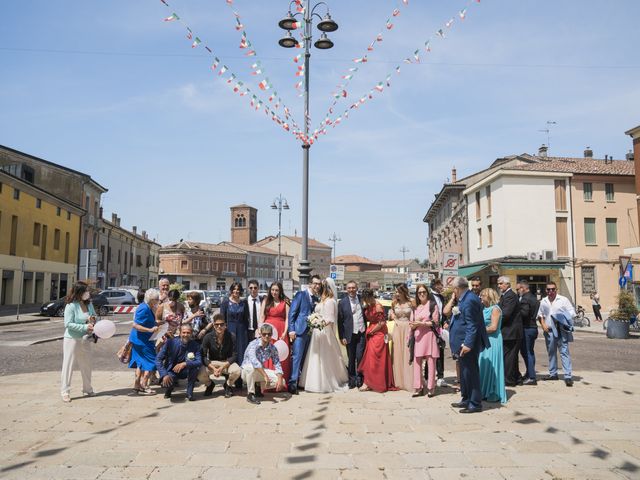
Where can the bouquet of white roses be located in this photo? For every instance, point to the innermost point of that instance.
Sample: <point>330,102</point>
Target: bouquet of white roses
<point>316,321</point>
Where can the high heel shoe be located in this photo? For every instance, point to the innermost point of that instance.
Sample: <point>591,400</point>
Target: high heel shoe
<point>417,394</point>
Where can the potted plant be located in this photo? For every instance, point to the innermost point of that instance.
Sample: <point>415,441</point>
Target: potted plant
<point>618,321</point>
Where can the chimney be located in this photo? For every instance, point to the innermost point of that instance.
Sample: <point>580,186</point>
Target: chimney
<point>114,218</point>
<point>588,153</point>
<point>542,151</point>
<point>100,212</point>
<point>629,156</point>
<point>134,228</point>
<point>454,175</point>
<point>144,234</point>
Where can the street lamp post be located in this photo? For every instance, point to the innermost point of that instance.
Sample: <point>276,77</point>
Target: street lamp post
<point>326,24</point>
<point>279,204</point>
<point>334,238</point>
<point>405,250</point>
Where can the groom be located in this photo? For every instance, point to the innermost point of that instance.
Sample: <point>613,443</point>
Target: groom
<point>351,328</point>
<point>302,306</point>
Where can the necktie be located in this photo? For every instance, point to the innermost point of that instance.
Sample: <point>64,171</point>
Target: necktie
<point>254,323</point>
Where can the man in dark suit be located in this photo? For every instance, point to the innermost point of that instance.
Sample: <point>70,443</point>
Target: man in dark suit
<point>351,330</point>
<point>252,309</point>
<point>467,337</point>
<point>302,306</point>
<point>528,313</point>
<point>511,330</point>
<point>179,358</point>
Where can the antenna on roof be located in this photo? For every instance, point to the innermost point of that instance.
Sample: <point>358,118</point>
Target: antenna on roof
<point>548,131</point>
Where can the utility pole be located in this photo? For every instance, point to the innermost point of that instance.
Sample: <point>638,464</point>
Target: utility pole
<point>404,250</point>
<point>334,238</point>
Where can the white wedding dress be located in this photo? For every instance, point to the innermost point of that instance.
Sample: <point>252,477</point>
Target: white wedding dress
<point>324,370</point>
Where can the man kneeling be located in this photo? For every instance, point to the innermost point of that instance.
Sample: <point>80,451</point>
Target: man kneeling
<point>219,357</point>
<point>259,351</point>
<point>179,358</point>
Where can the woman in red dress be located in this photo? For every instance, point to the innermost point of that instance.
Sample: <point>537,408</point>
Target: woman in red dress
<point>275,311</point>
<point>376,364</point>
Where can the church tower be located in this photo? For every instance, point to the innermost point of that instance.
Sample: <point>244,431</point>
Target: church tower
<point>244,224</point>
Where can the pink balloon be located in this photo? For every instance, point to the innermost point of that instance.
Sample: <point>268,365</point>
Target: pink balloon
<point>104,329</point>
<point>283,349</point>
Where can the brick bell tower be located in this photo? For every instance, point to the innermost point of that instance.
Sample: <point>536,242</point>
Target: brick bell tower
<point>244,224</point>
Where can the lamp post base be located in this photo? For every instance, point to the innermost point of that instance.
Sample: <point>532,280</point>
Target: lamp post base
<point>304,272</point>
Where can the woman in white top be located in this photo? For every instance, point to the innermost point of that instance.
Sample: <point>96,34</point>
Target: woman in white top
<point>324,370</point>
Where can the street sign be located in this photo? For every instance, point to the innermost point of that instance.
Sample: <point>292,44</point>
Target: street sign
<point>338,270</point>
<point>333,275</point>
<point>447,277</point>
<point>450,261</point>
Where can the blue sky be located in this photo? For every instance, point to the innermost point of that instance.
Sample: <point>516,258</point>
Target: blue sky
<point>110,89</point>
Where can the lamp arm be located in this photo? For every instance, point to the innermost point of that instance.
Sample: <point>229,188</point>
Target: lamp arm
<point>317,5</point>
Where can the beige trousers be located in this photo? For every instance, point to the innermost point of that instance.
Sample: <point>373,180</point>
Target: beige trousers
<point>252,376</point>
<point>76,350</point>
<point>233,370</point>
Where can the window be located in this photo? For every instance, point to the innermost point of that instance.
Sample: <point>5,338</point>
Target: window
<point>588,280</point>
<point>590,231</point>
<point>36,234</point>
<point>233,267</point>
<point>612,231</point>
<point>205,266</point>
<point>43,250</point>
<point>119,253</point>
<point>109,254</point>
<point>56,239</point>
<point>126,257</point>
<point>478,214</point>
<point>608,191</point>
<point>225,266</point>
<point>66,247</point>
<point>562,237</point>
<point>489,235</point>
<point>214,266</point>
<point>16,194</point>
<point>587,192</point>
<point>86,203</point>
<point>58,211</point>
<point>479,238</point>
<point>138,260</point>
<point>14,235</point>
<point>38,203</point>
<point>68,215</point>
<point>561,195</point>
<point>102,255</point>
<point>196,265</point>
<point>183,264</point>
<point>487,191</point>
<point>248,271</point>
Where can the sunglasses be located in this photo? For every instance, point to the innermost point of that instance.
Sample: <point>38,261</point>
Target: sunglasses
<point>551,289</point>
<point>253,288</point>
<point>219,325</point>
<point>422,292</point>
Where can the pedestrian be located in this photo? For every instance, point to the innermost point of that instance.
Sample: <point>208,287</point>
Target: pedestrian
<point>79,318</point>
<point>274,310</point>
<point>255,375</point>
<point>424,328</point>
<point>143,352</point>
<point>234,311</point>
<point>196,316</point>
<point>436,292</point>
<point>512,332</point>
<point>529,306</point>
<point>376,365</point>
<point>491,361</point>
<point>351,331</point>
<point>219,357</point>
<point>468,338</point>
<point>170,312</point>
<point>179,358</point>
<point>555,316</point>
<point>475,285</point>
<point>401,313</point>
<point>595,304</point>
<point>164,286</point>
<point>253,305</point>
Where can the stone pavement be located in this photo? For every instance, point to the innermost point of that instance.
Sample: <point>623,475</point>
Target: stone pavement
<point>550,431</point>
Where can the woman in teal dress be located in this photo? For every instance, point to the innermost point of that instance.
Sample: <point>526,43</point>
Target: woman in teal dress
<point>491,360</point>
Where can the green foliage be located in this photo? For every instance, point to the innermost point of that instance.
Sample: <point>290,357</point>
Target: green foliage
<point>180,288</point>
<point>626,309</point>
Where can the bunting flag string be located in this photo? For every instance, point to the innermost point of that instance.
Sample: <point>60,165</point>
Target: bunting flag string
<point>284,120</point>
<point>380,85</point>
<point>342,89</point>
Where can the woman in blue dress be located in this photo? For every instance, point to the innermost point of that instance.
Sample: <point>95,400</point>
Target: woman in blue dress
<point>236,314</point>
<point>491,360</point>
<point>143,350</point>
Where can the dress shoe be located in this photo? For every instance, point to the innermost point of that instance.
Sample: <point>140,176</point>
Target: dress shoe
<point>508,384</point>
<point>530,381</point>
<point>520,381</point>
<point>259,393</point>
<point>228,391</point>
<point>167,392</point>
<point>460,405</point>
<point>293,389</point>
<point>209,390</point>
<point>568,382</point>
<point>471,410</point>
<point>550,377</point>
<point>251,398</point>
<point>191,398</point>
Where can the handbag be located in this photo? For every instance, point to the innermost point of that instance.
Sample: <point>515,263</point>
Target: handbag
<point>124,353</point>
<point>439,340</point>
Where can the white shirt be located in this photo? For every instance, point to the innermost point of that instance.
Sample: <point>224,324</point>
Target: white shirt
<point>358,317</point>
<point>560,304</point>
<point>252,299</point>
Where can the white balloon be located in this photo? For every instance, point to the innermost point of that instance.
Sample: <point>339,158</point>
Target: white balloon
<point>283,349</point>
<point>104,329</point>
<point>274,334</point>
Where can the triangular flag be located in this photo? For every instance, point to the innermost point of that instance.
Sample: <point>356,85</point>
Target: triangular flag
<point>196,42</point>
<point>172,17</point>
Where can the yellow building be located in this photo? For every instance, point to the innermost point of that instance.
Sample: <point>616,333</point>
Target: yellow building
<point>39,240</point>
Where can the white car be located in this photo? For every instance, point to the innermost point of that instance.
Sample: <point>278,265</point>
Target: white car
<point>203,297</point>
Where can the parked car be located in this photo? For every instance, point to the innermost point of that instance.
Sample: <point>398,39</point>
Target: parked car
<point>203,297</point>
<point>132,289</point>
<point>214,297</point>
<point>55,308</point>
<point>119,297</point>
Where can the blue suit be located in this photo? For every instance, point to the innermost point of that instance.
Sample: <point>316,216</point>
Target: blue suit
<point>301,307</point>
<point>468,328</point>
<point>174,352</point>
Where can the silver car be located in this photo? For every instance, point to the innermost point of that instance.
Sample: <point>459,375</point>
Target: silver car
<point>119,297</point>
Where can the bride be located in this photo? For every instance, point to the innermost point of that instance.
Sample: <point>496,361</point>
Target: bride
<point>324,370</point>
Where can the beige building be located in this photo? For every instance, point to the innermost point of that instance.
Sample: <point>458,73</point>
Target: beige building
<point>319,254</point>
<point>262,264</point>
<point>356,263</point>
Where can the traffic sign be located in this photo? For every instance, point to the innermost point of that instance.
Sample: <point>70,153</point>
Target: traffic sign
<point>448,276</point>
<point>334,275</point>
<point>450,261</point>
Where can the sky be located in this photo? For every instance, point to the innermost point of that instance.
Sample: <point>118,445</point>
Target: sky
<point>112,90</point>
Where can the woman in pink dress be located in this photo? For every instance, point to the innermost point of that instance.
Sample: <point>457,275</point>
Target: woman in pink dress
<point>426,320</point>
<point>375,365</point>
<point>275,311</point>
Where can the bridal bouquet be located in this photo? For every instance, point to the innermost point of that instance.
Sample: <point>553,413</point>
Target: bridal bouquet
<point>316,321</point>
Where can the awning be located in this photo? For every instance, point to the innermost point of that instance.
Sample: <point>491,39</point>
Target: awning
<point>471,269</point>
<point>532,266</point>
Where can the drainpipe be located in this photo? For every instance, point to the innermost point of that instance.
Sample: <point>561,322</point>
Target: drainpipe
<point>573,246</point>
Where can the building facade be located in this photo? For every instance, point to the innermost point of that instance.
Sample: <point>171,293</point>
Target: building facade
<point>356,263</point>
<point>244,224</point>
<point>126,257</point>
<point>203,266</point>
<point>39,236</point>
<point>318,252</point>
<point>262,264</point>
